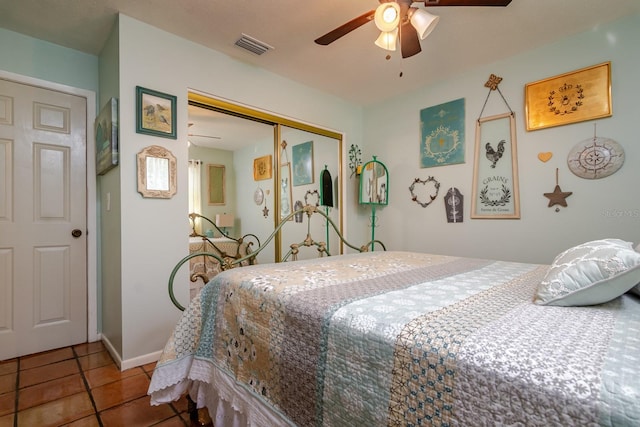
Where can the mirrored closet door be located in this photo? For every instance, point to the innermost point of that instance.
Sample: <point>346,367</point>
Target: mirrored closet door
<point>270,167</point>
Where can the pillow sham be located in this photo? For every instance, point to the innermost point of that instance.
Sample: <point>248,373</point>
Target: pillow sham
<point>591,273</point>
<point>636,288</point>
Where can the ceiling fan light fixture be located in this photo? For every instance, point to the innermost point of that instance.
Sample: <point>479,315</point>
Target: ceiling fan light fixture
<point>387,16</point>
<point>388,39</point>
<point>422,21</point>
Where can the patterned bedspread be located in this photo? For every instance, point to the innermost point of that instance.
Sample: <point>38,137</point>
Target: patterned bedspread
<point>407,339</point>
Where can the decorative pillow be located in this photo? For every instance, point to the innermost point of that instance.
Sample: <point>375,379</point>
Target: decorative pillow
<point>636,288</point>
<point>591,273</point>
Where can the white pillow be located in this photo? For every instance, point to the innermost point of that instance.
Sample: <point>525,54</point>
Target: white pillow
<point>636,288</point>
<point>591,273</point>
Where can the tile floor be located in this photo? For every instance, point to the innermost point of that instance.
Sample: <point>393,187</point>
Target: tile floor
<point>80,386</point>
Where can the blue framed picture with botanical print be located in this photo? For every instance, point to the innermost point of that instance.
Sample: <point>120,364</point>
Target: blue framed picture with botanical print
<point>442,132</point>
<point>302,157</point>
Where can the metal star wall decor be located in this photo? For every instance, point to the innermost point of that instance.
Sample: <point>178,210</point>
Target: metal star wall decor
<point>558,197</point>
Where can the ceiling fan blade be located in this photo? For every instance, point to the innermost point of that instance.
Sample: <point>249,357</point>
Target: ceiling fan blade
<point>409,41</point>
<point>204,136</point>
<point>345,29</point>
<point>501,3</point>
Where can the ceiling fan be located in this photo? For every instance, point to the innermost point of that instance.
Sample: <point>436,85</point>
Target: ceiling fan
<point>401,23</point>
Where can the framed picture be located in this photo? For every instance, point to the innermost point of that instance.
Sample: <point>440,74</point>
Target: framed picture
<point>155,113</point>
<point>572,97</point>
<point>216,184</point>
<point>262,168</point>
<point>302,156</point>
<point>495,169</point>
<point>107,137</point>
<point>442,131</point>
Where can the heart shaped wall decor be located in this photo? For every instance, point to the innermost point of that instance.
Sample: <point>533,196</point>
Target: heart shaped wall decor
<point>544,157</point>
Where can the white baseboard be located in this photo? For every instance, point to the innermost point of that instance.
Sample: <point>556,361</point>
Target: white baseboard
<point>141,360</point>
<point>112,351</point>
<point>130,363</point>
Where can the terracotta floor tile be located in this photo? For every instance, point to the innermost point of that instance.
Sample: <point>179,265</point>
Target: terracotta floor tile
<point>95,360</point>
<point>8,367</point>
<point>176,421</point>
<point>51,390</point>
<point>149,367</point>
<point>8,382</point>
<point>181,405</point>
<point>91,421</point>
<point>58,412</point>
<point>7,420</point>
<point>7,403</point>
<point>46,358</point>
<point>88,348</point>
<point>118,392</point>
<point>108,374</point>
<point>48,372</point>
<point>138,412</point>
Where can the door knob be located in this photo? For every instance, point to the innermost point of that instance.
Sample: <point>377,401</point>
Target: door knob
<point>76,233</point>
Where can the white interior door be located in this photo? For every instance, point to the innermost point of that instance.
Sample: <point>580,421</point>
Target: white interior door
<point>43,245</point>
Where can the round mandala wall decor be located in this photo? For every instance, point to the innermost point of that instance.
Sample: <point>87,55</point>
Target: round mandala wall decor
<point>595,158</point>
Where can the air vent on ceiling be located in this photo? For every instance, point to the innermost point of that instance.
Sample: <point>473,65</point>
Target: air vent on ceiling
<point>253,45</point>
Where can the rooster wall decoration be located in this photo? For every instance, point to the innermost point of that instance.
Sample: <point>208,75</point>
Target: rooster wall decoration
<point>494,155</point>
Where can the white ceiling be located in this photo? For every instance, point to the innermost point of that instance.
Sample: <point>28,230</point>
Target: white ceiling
<point>352,68</point>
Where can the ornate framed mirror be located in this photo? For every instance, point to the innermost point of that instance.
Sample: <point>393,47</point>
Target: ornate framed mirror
<point>156,172</point>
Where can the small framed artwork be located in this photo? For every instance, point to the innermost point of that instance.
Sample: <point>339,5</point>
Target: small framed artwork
<point>107,137</point>
<point>262,168</point>
<point>216,183</point>
<point>302,156</point>
<point>155,113</point>
<point>495,169</point>
<point>573,97</point>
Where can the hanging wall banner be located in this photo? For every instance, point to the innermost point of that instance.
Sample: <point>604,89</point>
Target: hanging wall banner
<point>442,131</point>
<point>495,170</point>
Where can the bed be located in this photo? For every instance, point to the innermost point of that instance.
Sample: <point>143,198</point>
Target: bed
<point>388,338</point>
<point>226,248</point>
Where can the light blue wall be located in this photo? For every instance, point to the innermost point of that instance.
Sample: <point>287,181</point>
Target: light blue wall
<point>47,61</point>
<point>608,207</point>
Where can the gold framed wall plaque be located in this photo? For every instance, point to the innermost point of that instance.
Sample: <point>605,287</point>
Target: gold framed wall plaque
<point>572,97</point>
<point>262,168</point>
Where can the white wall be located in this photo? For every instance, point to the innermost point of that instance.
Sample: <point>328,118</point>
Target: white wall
<point>154,59</point>
<point>608,207</point>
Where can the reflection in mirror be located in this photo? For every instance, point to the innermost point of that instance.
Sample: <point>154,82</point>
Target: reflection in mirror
<point>374,183</point>
<point>232,143</point>
<point>157,174</point>
<point>312,155</point>
<point>240,137</point>
<point>286,204</point>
